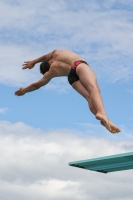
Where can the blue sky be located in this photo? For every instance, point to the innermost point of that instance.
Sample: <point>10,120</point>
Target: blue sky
<point>53,125</point>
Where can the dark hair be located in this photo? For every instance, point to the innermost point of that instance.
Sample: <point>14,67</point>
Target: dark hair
<point>44,66</point>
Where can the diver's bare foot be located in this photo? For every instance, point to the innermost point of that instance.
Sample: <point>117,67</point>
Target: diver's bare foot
<point>114,129</point>
<point>103,117</point>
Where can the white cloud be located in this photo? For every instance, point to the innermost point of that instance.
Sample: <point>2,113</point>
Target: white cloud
<point>34,165</point>
<point>12,58</point>
<point>97,31</point>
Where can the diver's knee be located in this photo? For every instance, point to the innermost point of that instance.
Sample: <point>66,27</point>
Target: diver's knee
<point>94,88</point>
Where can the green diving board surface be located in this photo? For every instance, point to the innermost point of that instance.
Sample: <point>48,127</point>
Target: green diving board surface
<point>107,164</point>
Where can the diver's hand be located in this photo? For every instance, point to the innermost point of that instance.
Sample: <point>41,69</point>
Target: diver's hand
<point>28,64</point>
<point>20,92</point>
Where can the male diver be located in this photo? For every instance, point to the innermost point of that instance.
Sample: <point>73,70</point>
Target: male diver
<point>80,76</point>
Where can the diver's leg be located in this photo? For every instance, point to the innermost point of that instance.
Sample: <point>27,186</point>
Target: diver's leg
<point>88,79</point>
<point>78,86</point>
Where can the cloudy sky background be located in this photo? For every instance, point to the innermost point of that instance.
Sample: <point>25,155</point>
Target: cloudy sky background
<point>41,132</point>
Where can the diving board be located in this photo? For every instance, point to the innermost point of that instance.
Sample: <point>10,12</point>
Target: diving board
<point>107,164</point>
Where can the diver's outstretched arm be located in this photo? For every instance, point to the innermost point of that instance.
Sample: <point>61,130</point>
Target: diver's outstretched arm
<point>34,86</point>
<point>31,64</point>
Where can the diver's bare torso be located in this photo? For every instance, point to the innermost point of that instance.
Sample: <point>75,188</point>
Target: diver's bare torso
<point>61,61</point>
